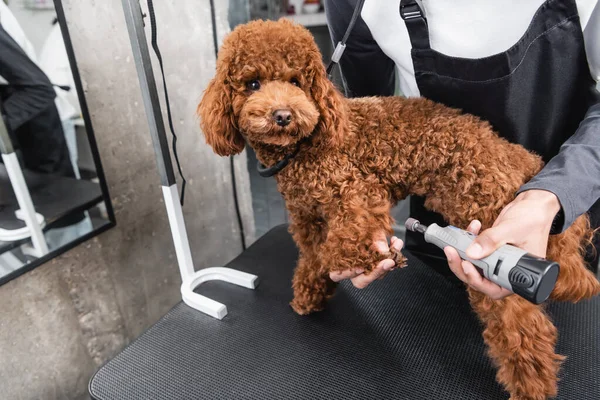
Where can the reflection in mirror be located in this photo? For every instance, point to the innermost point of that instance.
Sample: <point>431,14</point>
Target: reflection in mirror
<point>52,190</point>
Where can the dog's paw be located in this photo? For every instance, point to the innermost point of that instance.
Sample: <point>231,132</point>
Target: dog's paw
<point>519,397</point>
<point>398,258</point>
<point>302,308</point>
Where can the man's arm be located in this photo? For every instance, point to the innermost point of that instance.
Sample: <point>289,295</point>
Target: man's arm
<point>573,175</point>
<point>571,181</point>
<point>366,70</point>
<point>32,91</point>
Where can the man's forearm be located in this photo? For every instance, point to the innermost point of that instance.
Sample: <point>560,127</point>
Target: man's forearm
<point>33,92</point>
<point>573,175</point>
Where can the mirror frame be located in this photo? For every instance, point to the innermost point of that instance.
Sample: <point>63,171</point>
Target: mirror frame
<point>60,15</point>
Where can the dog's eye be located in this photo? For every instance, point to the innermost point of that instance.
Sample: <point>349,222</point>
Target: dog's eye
<point>295,82</point>
<point>254,85</point>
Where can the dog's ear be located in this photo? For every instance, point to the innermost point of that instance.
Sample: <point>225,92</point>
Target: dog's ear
<point>330,103</point>
<point>217,119</point>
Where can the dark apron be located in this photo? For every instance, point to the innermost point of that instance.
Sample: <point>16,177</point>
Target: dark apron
<point>535,94</point>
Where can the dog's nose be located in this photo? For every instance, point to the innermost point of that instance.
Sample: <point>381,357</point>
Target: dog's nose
<point>282,117</point>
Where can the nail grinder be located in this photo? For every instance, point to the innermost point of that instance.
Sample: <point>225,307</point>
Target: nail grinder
<point>531,277</point>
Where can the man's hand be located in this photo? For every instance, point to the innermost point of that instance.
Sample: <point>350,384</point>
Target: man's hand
<point>525,223</point>
<point>358,278</point>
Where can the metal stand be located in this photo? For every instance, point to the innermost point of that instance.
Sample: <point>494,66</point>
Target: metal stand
<point>34,222</point>
<point>191,278</point>
<point>9,263</point>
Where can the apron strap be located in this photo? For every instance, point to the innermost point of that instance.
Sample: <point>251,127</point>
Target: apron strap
<point>415,21</point>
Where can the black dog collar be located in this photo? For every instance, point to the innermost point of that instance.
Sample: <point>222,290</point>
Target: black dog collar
<point>267,172</point>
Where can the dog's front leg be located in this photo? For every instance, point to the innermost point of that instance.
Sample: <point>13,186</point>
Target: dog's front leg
<point>311,283</point>
<point>355,222</point>
<point>312,286</point>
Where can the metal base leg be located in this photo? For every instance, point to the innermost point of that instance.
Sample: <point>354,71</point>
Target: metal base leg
<point>192,279</point>
<point>203,303</point>
<point>28,214</point>
<point>12,235</point>
<point>9,263</point>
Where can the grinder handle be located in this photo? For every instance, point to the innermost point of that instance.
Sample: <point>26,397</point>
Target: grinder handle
<point>459,240</point>
<point>531,277</point>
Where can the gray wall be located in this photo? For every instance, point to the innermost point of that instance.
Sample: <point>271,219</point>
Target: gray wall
<point>63,320</point>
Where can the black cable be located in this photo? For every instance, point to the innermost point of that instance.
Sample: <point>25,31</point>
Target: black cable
<point>213,19</point>
<point>162,71</point>
<point>342,43</point>
<point>237,205</point>
<point>231,159</point>
<point>355,16</point>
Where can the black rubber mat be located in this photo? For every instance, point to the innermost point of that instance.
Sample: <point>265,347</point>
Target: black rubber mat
<point>53,196</point>
<point>411,336</point>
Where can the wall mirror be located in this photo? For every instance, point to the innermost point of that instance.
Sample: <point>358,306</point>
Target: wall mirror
<point>53,194</point>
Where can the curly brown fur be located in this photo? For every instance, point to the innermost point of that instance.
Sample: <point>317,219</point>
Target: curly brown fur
<point>361,156</point>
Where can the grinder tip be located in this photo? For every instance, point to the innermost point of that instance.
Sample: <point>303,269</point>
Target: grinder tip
<point>411,224</point>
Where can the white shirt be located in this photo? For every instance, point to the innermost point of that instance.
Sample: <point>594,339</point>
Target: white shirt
<point>53,61</point>
<point>468,29</point>
<point>55,64</point>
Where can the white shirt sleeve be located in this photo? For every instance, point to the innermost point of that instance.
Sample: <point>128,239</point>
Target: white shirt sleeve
<point>13,28</point>
<point>591,35</point>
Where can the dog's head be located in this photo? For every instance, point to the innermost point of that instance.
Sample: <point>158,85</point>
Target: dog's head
<point>270,88</point>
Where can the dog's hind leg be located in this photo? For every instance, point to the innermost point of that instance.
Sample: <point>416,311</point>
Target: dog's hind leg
<point>521,340</point>
<point>575,282</point>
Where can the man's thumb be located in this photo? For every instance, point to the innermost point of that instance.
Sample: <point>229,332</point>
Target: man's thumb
<point>486,243</point>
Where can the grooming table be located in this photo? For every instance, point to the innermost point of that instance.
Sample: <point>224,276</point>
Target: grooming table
<point>410,336</point>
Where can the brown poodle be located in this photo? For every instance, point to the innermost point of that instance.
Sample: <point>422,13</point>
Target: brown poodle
<point>355,158</point>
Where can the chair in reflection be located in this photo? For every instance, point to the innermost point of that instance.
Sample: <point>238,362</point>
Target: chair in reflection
<point>47,201</point>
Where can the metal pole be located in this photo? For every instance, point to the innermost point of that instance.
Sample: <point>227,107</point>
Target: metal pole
<point>143,63</point>
<point>6,146</point>
<point>190,278</point>
<point>33,221</point>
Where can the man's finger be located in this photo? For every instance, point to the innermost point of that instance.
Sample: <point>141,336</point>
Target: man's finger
<point>381,246</point>
<point>489,241</point>
<point>474,227</point>
<point>362,280</point>
<point>396,243</point>
<point>338,276</point>
<point>479,283</point>
<point>454,262</point>
<point>380,243</point>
